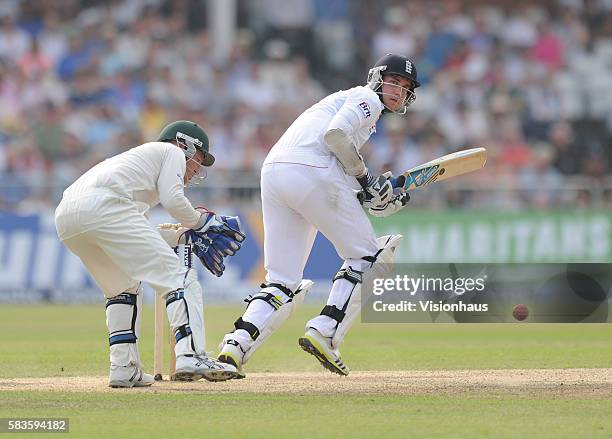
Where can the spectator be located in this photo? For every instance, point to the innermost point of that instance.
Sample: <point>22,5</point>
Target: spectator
<point>76,76</point>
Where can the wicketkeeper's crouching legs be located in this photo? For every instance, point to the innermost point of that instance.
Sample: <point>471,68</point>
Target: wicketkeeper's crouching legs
<point>185,305</point>
<point>325,333</point>
<point>185,314</point>
<point>186,317</point>
<point>123,314</point>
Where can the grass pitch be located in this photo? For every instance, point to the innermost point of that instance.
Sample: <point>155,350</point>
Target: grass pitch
<point>418,380</point>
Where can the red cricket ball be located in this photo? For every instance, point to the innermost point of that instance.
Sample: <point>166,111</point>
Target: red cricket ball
<point>520,312</point>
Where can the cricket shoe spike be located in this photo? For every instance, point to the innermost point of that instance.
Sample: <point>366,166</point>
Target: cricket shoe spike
<point>232,353</point>
<point>320,347</point>
<point>194,367</point>
<point>129,376</point>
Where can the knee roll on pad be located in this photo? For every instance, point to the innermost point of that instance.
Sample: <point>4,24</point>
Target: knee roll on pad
<point>185,314</point>
<point>354,278</point>
<point>269,294</point>
<point>284,305</point>
<point>379,265</point>
<point>121,314</point>
<point>123,322</point>
<point>176,307</point>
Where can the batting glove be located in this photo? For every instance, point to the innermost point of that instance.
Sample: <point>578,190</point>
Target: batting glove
<point>377,191</point>
<point>397,203</point>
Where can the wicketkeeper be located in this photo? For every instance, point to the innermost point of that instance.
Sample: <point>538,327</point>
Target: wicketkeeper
<point>102,219</point>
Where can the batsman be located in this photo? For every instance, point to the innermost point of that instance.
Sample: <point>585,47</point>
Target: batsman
<point>309,182</point>
<point>102,219</point>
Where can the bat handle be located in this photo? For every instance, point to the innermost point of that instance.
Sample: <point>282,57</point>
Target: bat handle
<point>398,182</point>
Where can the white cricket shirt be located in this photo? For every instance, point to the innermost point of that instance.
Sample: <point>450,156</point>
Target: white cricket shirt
<point>147,175</point>
<point>354,111</point>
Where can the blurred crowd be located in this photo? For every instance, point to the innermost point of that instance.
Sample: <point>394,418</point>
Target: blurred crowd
<point>81,80</point>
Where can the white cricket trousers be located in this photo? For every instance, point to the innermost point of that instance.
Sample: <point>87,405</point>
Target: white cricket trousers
<point>117,244</point>
<point>298,200</point>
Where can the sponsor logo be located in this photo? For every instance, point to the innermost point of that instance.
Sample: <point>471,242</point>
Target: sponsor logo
<point>422,176</point>
<point>408,66</point>
<point>365,109</point>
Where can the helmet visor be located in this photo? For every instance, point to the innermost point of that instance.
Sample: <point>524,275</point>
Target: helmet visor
<point>406,95</point>
<point>200,174</point>
<point>376,83</point>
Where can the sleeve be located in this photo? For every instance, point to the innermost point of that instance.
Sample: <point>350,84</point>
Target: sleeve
<point>361,109</point>
<point>172,191</point>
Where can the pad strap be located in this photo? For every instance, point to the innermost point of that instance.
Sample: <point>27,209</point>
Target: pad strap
<point>182,332</point>
<point>122,299</point>
<point>333,312</point>
<point>372,259</point>
<point>127,337</point>
<point>270,298</point>
<point>353,276</point>
<point>283,288</point>
<point>174,296</point>
<point>248,327</point>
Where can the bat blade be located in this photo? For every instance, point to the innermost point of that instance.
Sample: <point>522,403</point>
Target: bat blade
<point>442,168</point>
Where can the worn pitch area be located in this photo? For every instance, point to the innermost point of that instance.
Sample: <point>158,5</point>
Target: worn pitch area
<point>579,383</point>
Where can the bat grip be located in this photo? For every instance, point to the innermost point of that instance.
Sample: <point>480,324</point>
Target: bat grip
<point>398,181</point>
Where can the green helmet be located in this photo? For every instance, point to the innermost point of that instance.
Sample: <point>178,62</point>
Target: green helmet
<point>190,136</point>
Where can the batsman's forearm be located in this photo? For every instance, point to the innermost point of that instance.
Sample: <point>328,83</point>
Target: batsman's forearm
<point>341,145</point>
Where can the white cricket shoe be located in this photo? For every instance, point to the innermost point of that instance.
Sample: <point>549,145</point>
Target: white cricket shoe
<point>315,344</point>
<point>194,367</point>
<point>129,376</point>
<point>232,353</point>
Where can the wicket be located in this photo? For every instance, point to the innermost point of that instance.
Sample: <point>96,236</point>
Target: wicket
<point>158,348</point>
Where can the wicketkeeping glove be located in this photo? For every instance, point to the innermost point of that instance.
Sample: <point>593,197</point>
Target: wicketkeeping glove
<point>219,237</point>
<point>227,232</point>
<point>202,246</point>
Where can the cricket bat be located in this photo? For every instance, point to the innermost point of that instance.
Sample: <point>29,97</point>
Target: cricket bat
<point>442,168</point>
